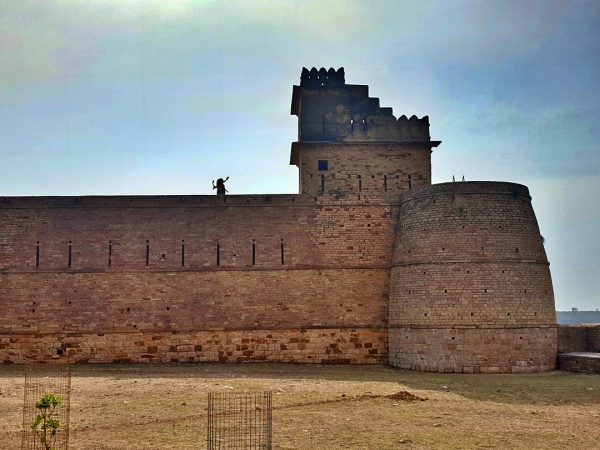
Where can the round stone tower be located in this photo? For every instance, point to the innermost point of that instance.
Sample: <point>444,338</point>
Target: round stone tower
<point>470,286</point>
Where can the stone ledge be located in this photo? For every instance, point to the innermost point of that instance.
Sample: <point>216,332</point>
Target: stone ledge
<point>199,201</point>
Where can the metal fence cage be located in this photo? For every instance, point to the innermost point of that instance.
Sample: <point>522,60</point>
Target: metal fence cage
<point>40,380</point>
<point>239,420</point>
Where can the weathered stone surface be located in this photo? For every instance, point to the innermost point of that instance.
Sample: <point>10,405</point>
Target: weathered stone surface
<point>294,278</point>
<point>331,345</point>
<point>583,362</point>
<point>579,338</point>
<point>469,283</point>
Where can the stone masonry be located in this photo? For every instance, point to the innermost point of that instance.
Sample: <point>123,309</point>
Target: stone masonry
<point>369,263</point>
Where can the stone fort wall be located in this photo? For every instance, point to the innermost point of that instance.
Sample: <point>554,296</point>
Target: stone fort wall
<point>369,264</point>
<point>290,278</point>
<point>579,338</point>
<point>241,278</point>
<point>470,286</point>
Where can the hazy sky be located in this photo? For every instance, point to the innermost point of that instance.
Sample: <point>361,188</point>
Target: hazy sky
<point>160,97</point>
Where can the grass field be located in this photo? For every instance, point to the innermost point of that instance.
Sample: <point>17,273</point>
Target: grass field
<point>323,407</point>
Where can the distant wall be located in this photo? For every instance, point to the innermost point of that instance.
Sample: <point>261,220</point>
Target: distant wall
<point>191,271</point>
<point>579,338</point>
<point>581,363</point>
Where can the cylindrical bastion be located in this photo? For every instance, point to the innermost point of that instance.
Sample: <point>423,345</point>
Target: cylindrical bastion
<point>470,286</point>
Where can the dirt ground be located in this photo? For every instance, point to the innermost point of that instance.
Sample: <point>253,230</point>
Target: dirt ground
<point>323,407</point>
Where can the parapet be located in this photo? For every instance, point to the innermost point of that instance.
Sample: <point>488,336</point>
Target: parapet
<point>514,190</point>
<point>190,201</point>
<point>317,78</point>
<point>328,109</point>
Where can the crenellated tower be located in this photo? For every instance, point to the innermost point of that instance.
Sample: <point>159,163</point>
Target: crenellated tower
<point>347,142</point>
<point>470,288</point>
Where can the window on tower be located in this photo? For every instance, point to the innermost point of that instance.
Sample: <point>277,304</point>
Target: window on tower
<point>323,164</point>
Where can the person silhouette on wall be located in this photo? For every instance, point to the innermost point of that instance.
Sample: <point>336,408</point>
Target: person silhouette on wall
<point>220,186</point>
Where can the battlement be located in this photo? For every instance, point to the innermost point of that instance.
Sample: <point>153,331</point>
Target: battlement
<point>328,109</point>
<point>322,77</point>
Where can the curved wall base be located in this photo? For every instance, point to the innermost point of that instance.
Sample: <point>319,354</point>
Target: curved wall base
<point>473,350</point>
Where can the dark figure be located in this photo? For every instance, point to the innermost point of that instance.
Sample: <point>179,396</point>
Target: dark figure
<point>220,186</point>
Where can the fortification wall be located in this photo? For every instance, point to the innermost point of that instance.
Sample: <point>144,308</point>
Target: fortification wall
<point>470,287</point>
<point>241,278</point>
<point>292,278</point>
<point>579,338</point>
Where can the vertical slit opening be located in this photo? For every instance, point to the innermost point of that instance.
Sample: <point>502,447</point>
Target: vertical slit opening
<point>253,252</point>
<point>282,254</point>
<point>385,182</point>
<point>359,183</point>
<point>182,253</point>
<point>218,253</point>
<point>409,182</point>
<point>70,259</point>
<point>37,255</point>
<point>147,253</point>
<point>109,253</point>
<point>322,184</point>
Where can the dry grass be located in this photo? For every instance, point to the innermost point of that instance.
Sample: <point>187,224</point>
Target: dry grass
<point>324,407</point>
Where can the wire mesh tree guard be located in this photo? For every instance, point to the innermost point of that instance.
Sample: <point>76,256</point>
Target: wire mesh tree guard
<point>39,382</point>
<point>239,420</point>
